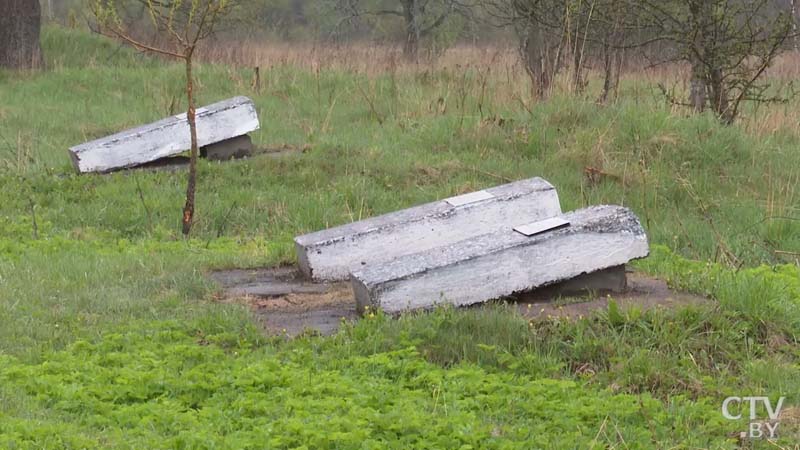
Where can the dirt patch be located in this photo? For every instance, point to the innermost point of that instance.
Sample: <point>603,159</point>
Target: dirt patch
<point>286,303</point>
<point>642,292</point>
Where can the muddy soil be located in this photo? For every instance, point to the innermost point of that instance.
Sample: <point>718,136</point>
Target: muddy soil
<point>643,292</point>
<point>286,303</point>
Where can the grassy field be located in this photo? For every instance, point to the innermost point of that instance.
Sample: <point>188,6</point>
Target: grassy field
<point>110,337</point>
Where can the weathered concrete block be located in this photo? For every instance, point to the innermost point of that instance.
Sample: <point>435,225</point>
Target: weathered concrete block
<point>333,253</point>
<point>167,137</point>
<point>504,262</point>
<point>233,148</point>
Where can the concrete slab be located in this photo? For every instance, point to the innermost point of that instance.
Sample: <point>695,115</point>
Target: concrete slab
<point>333,253</point>
<point>502,263</point>
<point>167,137</point>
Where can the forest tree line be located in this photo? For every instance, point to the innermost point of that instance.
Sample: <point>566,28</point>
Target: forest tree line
<point>727,44</point>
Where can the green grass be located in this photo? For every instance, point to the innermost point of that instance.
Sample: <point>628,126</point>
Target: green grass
<point>173,389</point>
<point>681,174</point>
<point>110,336</point>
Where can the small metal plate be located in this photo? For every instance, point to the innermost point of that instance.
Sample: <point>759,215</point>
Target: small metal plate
<point>472,197</point>
<point>531,229</point>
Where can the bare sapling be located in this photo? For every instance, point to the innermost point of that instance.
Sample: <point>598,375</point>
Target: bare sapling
<point>180,26</point>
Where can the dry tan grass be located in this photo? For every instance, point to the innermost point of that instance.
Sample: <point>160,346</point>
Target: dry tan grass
<point>497,70</point>
<point>362,58</point>
<point>373,58</point>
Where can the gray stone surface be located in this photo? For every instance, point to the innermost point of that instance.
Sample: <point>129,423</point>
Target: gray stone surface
<point>333,253</point>
<point>233,148</point>
<point>167,137</point>
<point>503,262</point>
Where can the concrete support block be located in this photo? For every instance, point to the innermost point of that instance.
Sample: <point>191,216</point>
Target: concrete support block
<point>233,148</point>
<point>332,254</point>
<point>504,262</point>
<point>606,281</point>
<point>167,137</point>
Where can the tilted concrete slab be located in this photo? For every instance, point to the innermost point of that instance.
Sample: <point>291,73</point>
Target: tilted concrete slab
<point>167,137</point>
<point>332,254</point>
<point>504,262</point>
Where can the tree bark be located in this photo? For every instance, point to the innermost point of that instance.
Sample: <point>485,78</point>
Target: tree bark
<point>20,23</point>
<point>188,209</point>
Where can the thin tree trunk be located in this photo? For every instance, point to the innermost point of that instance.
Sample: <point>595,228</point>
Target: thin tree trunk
<point>697,87</point>
<point>577,77</point>
<point>698,84</point>
<point>608,72</point>
<point>20,23</point>
<point>619,57</point>
<point>794,25</point>
<point>534,53</point>
<point>577,51</point>
<point>612,54</point>
<point>411,45</point>
<point>188,209</point>
<point>719,97</point>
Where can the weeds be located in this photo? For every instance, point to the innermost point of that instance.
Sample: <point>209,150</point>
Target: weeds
<point>110,336</point>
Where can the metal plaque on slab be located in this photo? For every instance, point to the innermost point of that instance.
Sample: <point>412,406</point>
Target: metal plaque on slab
<point>531,229</point>
<point>472,197</point>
